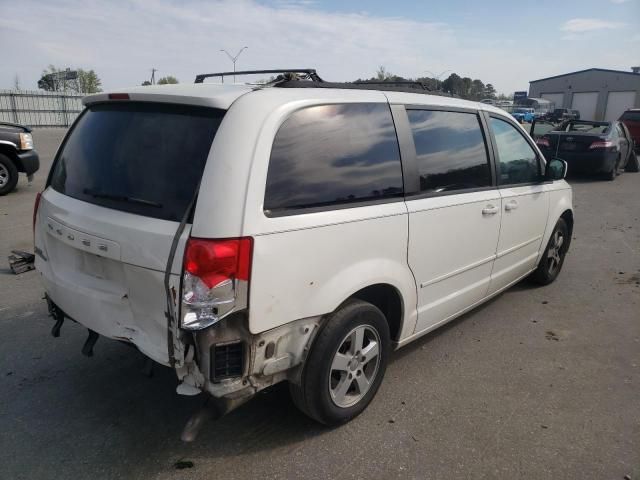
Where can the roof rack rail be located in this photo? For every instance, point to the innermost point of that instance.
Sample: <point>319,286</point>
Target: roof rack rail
<point>393,82</point>
<point>309,72</point>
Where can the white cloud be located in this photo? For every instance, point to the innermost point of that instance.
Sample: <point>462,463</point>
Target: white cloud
<point>577,25</point>
<point>123,40</point>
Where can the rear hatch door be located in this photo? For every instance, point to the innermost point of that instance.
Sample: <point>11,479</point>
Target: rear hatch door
<point>119,187</point>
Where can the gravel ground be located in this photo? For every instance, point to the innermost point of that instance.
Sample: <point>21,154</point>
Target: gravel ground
<point>540,383</point>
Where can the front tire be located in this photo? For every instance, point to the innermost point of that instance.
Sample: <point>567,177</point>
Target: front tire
<point>346,364</point>
<point>8,175</point>
<point>553,256</point>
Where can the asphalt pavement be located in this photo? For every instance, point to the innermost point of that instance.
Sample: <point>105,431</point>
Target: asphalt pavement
<point>539,383</point>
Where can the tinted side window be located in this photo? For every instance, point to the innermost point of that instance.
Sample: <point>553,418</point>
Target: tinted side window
<point>334,154</point>
<point>518,161</point>
<point>450,149</point>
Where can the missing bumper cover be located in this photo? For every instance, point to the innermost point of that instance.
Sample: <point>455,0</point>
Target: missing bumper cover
<point>227,360</point>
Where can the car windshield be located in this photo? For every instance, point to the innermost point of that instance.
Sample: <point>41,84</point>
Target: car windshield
<point>139,158</point>
<point>586,127</point>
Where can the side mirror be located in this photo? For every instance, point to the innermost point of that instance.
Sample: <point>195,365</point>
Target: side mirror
<point>556,169</point>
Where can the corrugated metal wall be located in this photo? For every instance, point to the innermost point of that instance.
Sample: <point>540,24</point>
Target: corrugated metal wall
<point>37,108</point>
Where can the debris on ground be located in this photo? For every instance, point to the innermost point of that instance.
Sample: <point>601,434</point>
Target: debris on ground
<point>551,335</point>
<point>182,464</point>
<point>21,262</point>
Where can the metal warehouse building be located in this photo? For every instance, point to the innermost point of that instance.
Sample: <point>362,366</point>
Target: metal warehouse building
<point>597,93</point>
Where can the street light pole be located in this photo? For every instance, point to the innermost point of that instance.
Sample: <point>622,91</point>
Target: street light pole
<point>234,60</point>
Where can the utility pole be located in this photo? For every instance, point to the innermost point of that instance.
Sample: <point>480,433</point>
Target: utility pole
<point>153,76</point>
<point>234,60</point>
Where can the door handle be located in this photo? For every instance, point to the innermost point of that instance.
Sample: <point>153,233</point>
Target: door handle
<point>490,210</point>
<point>512,205</point>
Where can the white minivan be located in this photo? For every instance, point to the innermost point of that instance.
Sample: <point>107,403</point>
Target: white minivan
<point>297,231</point>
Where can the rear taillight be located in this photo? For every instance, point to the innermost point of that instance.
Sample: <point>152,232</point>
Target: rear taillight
<point>543,142</point>
<point>118,96</point>
<point>36,206</point>
<point>215,281</point>
<point>602,144</point>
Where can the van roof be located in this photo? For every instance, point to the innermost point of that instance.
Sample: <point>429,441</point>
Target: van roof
<point>218,95</point>
<point>214,95</point>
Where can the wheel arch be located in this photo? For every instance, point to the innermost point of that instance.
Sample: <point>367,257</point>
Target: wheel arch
<point>11,153</point>
<point>560,207</point>
<point>390,302</point>
<point>567,216</point>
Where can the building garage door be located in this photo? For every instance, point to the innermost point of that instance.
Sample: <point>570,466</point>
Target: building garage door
<point>618,102</point>
<point>585,103</point>
<point>556,98</point>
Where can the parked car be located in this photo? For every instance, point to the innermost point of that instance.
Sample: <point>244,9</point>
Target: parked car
<point>589,147</point>
<point>523,114</point>
<point>631,120</point>
<point>563,114</point>
<point>16,155</point>
<point>297,232</point>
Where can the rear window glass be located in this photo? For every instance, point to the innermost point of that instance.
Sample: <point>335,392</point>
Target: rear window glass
<point>140,158</point>
<point>595,128</point>
<point>334,154</point>
<point>450,150</point>
<point>631,116</point>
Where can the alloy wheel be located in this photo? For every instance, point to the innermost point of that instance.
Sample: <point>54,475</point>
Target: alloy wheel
<point>554,255</point>
<point>354,366</point>
<point>4,176</point>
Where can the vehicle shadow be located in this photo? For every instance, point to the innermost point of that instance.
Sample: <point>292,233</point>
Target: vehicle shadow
<point>80,415</point>
<point>92,413</point>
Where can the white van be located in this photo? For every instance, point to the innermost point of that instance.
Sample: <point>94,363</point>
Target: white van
<point>300,231</point>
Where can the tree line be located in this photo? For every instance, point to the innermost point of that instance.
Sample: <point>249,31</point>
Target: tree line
<point>87,81</point>
<point>78,80</point>
<point>454,84</point>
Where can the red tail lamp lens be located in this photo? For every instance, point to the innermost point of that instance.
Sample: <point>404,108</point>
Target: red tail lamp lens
<point>214,261</point>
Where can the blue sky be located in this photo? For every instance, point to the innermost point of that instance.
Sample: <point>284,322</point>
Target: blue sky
<point>506,43</point>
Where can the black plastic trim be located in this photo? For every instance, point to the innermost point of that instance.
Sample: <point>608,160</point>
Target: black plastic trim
<point>288,212</point>
<point>410,175</point>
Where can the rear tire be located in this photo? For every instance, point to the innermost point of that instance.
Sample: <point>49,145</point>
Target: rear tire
<point>553,256</point>
<point>633,164</point>
<point>346,364</point>
<point>8,175</point>
<point>610,176</point>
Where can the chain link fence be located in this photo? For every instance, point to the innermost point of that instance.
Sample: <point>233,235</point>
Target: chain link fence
<point>38,108</point>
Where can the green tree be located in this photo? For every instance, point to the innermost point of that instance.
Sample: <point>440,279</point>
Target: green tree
<point>146,83</point>
<point>88,82</point>
<point>477,89</point>
<point>53,79</point>
<point>489,91</point>
<point>453,84</point>
<point>382,74</point>
<point>168,80</point>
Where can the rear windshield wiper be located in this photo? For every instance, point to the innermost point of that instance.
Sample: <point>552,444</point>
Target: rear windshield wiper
<point>120,198</point>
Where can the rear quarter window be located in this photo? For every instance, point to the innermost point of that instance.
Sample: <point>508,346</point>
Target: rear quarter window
<point>631,116</point>
<point>141,158</point>
<point>330,155</point>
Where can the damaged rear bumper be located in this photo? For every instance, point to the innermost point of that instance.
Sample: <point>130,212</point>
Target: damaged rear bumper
<point>231,363</point>
<point>226,360</point>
